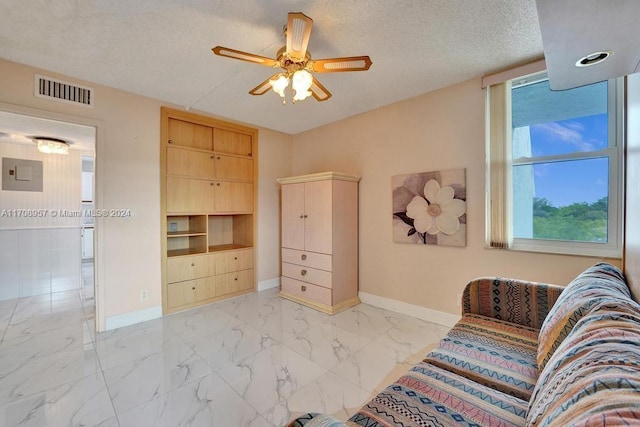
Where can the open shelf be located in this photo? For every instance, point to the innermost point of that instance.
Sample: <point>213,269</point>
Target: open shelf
<point>186,235</point>
<point>184,225</point>
<point>230,231</point>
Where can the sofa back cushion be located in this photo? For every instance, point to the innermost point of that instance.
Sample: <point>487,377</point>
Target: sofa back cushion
<point>593,378</point>
<point>597,284</point>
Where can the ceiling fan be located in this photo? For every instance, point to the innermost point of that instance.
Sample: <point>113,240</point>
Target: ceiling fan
<point>295,60</point>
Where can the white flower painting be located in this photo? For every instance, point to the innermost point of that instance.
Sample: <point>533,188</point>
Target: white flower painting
<point>430,208</point>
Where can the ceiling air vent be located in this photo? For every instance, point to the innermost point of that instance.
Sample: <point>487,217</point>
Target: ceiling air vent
<point>50,88</point>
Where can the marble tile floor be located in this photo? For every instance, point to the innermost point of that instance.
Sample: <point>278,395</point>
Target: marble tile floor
<point>255,360</point>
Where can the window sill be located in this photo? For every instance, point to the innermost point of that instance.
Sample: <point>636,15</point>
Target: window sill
<point>558,247</point>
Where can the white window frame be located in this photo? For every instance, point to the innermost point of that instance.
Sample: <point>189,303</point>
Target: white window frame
<point>613,246</point>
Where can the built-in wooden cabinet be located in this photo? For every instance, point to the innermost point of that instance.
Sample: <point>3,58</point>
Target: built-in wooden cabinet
<point>208,209</point>
<point>320,240</point>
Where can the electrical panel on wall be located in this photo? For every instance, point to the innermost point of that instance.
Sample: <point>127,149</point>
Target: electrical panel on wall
<point>21,175</point>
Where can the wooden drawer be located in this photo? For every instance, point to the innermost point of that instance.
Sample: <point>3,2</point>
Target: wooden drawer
<point>227,262</point>
<point>307,274</point>
<point>306,290</point>
<point>307,259</point>
<point>190,291</point>
<point>234,282</point>
<point>190,267</point>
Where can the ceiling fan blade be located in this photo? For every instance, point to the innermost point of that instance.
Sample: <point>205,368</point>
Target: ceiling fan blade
<point>244,56</point>
<point>298,33</point>
<point>318,91</point>
<point>334,65</point>
<point>262,88</point>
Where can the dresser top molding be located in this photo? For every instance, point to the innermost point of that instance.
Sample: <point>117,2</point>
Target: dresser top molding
<point>318,177</point>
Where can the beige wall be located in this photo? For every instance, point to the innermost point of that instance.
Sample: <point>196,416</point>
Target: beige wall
<point>439,130</point>
<point>127,176</point>
<point>275,155</point>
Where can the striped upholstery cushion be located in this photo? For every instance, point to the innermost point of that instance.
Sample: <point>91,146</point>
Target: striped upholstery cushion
<point>516,301</point>
<point>494,353</point>
<point>597,284</point>
<point>593,378</point>
<point>430,396</point>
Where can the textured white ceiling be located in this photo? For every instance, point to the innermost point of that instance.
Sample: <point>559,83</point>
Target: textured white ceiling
<point>162,49</point>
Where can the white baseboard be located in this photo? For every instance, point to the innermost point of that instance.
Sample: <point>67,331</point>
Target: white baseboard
<point>434,316</point>
<point>126,319</point>
<point>269,284</point>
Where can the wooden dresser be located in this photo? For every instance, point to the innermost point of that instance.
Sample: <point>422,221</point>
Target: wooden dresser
<point>320,240</point>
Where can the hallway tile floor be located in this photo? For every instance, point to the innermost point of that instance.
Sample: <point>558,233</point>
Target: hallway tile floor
<point>255,360</point>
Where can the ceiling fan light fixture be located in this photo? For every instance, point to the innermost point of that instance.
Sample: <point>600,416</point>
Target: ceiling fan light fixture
<point>301,82</point>
<point>295,59</point>
<point>51,145</point>
<point>279,83</point>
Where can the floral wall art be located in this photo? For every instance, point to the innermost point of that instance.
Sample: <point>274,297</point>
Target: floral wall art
<point>430,208</point>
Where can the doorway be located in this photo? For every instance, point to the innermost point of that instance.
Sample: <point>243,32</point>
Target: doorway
<point>43,227</point>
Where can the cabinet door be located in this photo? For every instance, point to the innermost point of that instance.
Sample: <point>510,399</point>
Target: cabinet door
<point>233,196</point>
<point>191,135</point>
<point>226,141</point>
<point>194,164</point>
<point>229,167</point>
<point>293,216</point>
<point>186,195</point>
<point>318,219</point>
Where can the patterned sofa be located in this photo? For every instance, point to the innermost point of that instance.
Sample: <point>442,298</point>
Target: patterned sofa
<point>523,353</point>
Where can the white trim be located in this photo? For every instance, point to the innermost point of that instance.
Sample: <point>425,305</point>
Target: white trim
<point>434,316</point>
<point>269,284</point>
<point>126,319</point>
<point>514,73</point>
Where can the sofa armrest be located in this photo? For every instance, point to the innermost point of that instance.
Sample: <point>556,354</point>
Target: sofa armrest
<point>515,301</point>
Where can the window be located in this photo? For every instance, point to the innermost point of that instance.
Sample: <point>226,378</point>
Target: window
<point>556,157</point>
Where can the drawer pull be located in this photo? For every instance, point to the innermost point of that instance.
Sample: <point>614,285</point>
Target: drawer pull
<point>235,258</point>
<point>301,216</point>
<point>218,184</point>
<point>303,288</point>
<point>193,288</point>
<point>303,272</point>
<point>171,141</point>
<point>236,279</point>
<point>303,256</point>
<point>193,264</point>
